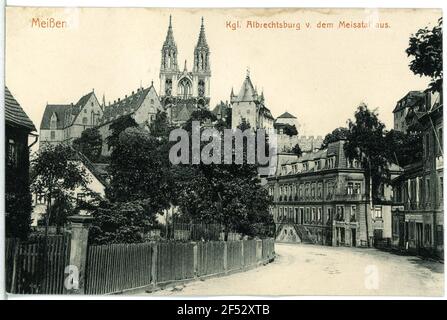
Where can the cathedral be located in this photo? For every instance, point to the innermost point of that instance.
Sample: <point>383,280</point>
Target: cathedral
<point>183,91</point>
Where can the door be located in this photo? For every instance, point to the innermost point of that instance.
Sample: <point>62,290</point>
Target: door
<point>353,237</point>
<point>302,215</point>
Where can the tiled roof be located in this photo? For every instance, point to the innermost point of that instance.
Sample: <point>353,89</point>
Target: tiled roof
<point>287,115</point>
<point>182,112</point>
<point>14,114</point>
<point>411,99</point>
<point>125,106</point>
<point>61,110</point>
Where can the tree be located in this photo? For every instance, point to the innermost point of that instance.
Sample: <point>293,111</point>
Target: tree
<point>366,143</point>
<point>404,148</point>
<point>227,194</point>
<point>139,170</point>
<point>426,49</point>
<point>121,222</point>
<point>90,143</point>
<point>290,130</point>
<point>119,126</point>
<point>297,150</point>
<point>57,171</point>
<point>337,134</point>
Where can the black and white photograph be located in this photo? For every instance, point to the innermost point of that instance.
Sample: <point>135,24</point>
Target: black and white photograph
<point>205,152</point>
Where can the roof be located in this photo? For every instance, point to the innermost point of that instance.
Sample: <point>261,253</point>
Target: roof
<point>411,99</point>
<point>125,106</point>
<point>287,115</point>
<point>247,93</point>
<point>62,110</point>
<point>221,110</point>
<point>14,114</point>
<point>182,112</point>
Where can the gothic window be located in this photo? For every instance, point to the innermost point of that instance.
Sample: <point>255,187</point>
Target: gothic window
<point>201,88</point>
<point>168,87</point>
<point>53,135</point>
<point>185,87</point>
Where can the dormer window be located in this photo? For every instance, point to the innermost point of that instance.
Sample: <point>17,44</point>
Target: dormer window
<point>53,121</point>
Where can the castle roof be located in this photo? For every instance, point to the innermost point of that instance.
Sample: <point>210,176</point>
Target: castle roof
<point>61,110</point>
<point>14,114</point>
<point>125,106</point>
<point>287,115</point>
<point>247,93</point>
<point>411,99</point>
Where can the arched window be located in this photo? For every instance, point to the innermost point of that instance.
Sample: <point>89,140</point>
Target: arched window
<point>185,87</point>
<point>53,121</point>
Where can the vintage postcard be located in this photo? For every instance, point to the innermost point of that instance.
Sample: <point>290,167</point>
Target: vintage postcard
<point>223,152</point>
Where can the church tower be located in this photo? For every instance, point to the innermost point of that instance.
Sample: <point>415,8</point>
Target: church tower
<point>169,68</point>
<point>201,70</point>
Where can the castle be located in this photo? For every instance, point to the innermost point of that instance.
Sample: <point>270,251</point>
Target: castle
<point>181,93</point>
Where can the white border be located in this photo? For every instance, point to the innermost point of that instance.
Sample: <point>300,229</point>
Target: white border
<point>192,4</point>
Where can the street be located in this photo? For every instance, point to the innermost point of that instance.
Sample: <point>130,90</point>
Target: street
<point>301,269</point>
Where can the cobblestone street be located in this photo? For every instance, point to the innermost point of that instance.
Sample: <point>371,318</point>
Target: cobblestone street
<point>318,270</point>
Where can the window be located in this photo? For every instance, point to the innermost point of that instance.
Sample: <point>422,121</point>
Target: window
<point>441,187</point>
<point>52,135</point>
<point>313,190</point>
<point>320,191</point>
<point>80,197</point>
<point>53,121</point>
<point>357,188</point>
<point>427,233</point>
<point>12,153</point>
<point>314,215</point>
<point>350,188</point>
<point>353,213</point>
<point>84,120</point>
<point>377,213</point>
<point>427,145</point>
<point>329,214</point>
<point>307,217</point>
<point>40,198</point>
<point>319,213</point>
<point>340,213</point>
<point>427,191</point>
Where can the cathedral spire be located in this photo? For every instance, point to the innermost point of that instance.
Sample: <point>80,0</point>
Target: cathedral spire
<point>169,51</point>
<point>201,52</point>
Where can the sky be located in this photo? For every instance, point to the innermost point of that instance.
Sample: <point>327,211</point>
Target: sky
<point>318,75</point>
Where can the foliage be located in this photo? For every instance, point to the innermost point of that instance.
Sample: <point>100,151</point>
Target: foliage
<point>139,170</point>
<point>366,143</point>
<point>337,134</point>
<point>404,148</point>
<point>117,127</point>
<point>297,150</point>
<point>89,144</point>
<point>290,130</point>
<point>121,222</point>
<point>227,194</point>
<point>57,172</point>
<point>426,49</point>
<point>18,214</point>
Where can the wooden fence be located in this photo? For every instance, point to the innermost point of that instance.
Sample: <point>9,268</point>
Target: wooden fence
<point>120,267</point>
<point>32,268</point>
<point>37,267</point>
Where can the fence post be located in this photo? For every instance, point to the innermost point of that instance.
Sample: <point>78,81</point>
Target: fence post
<point>154,263</point>
<point>259,251</point>
<point>225,257</point>
<point>78,251</point>
<point>195,253</point>
<point>242,254</point>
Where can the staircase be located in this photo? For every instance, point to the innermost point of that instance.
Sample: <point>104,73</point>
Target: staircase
<point>301,234</point>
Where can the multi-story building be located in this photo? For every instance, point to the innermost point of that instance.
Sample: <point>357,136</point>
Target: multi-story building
<point>249,106</point>
<point>62,123</point>
<point>418,213</point>
<point>321,198</point>
<point>182,92</point>
<point>142,105</point>
<point>412,100</point>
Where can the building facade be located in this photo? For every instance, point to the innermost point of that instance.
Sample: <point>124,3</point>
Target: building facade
<point>62,123</point>
<point>410,102</point>
<point>321,198</point>
<point>142,105</point>
<point>248,106</point>
<point>18,129</point>
<point>183,91</point>
<point>418,213</point>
